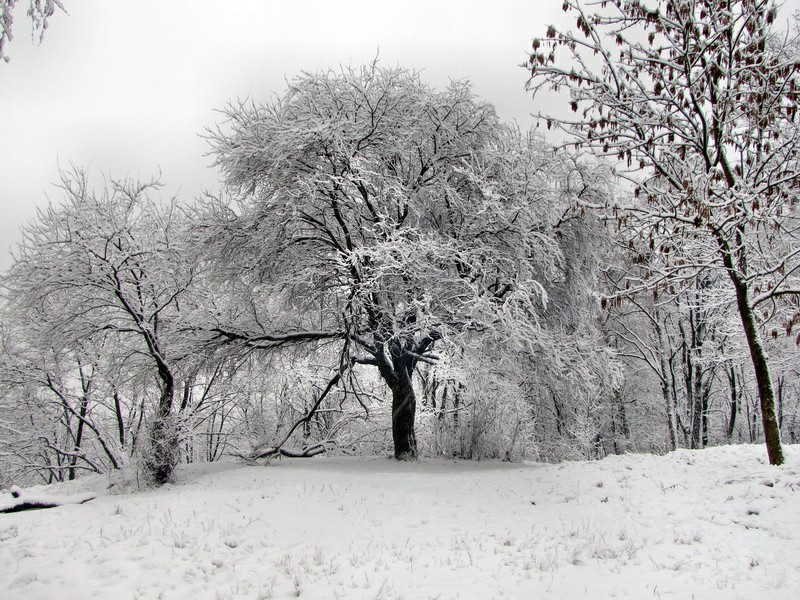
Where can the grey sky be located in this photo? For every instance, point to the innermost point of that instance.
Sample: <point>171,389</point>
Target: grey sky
<point>125,87</point>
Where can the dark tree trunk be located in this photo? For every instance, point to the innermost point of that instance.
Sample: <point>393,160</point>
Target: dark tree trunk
<point>397,360</point>
<point>734,403</point>
<point>161,463</point>
<point>705,407</point>
<point>396,367</point>
<point>697,405</point>
<point>167,391</point>
<point>669,409</point>
<point>84,408</point>
<point>456,405</point>
<point>187,395</point>
<point>560,425</point>
<point>694,375</point>
<point>404,407</point>
<point>120,419</point>
<point>164,442</point>
<point>620,411</point>
<point>677,409</point>
<point>766,395</point>
<point>86,384</point>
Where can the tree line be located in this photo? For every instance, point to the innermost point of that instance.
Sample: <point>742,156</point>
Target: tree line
<point>388,265</point>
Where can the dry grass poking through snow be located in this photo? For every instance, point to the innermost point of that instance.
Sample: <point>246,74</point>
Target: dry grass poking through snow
<point>717,523</point>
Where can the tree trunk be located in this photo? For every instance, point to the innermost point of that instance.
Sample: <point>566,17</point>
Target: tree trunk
<point>706,398</point>
<point>676,408</point>
<point>120,419</point>
<point>734,403</point>
<point>167,391</point>
<point>623,417</point>
<point>766,395</point>
<point>456,406</point>
<point>697,404</point>
<point>164,442</point>
<point>404,406</point>
<point>79,436</point>
<point>86,384</point>
<point>665,387</point>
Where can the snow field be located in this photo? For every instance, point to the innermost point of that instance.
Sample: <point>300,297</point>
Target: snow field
<point>717,523</point>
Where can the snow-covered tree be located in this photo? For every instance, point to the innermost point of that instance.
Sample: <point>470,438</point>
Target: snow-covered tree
<point>388,217</point>
<point>110,272</point>
<point>698,101</point>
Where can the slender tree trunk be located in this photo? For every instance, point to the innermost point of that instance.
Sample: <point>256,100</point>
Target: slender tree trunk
<point>676,408</point>
<point>665,387</point>
<point>697,405</point>
<point>734,404</point>
<point>560,425</point>
<point>766,395</point>
<point>623,417</point>
<point>688,372</point>
<point>86,384</point>
<point>187,394</point>
<point>120,419</point>
<point>668,405</point>
<point>456,407</point>
<point>705,406</point>
<point>753,412</point>
<point>83,410</point>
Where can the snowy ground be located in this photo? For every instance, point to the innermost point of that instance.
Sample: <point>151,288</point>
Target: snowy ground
<point>717,523</point>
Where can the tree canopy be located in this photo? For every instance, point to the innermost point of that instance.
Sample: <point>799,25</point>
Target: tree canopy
<point>387,214</point>
<point>107,269</point>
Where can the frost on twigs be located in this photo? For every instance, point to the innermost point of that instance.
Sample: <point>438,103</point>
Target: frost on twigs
<point>696,102</point>
<point>39,12</point>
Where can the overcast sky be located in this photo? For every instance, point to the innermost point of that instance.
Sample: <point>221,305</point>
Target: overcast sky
<point>126,87</point>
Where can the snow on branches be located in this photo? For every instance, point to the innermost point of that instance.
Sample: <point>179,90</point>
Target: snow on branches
<point>697,100</point>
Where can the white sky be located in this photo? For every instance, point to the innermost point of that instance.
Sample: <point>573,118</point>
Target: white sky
<point>125,87</point>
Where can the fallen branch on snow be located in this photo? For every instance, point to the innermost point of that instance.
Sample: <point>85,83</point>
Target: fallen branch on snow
<point>306,452</point>
<point>259,452</point>
<point>22,502</point>
<point>272,452</point>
